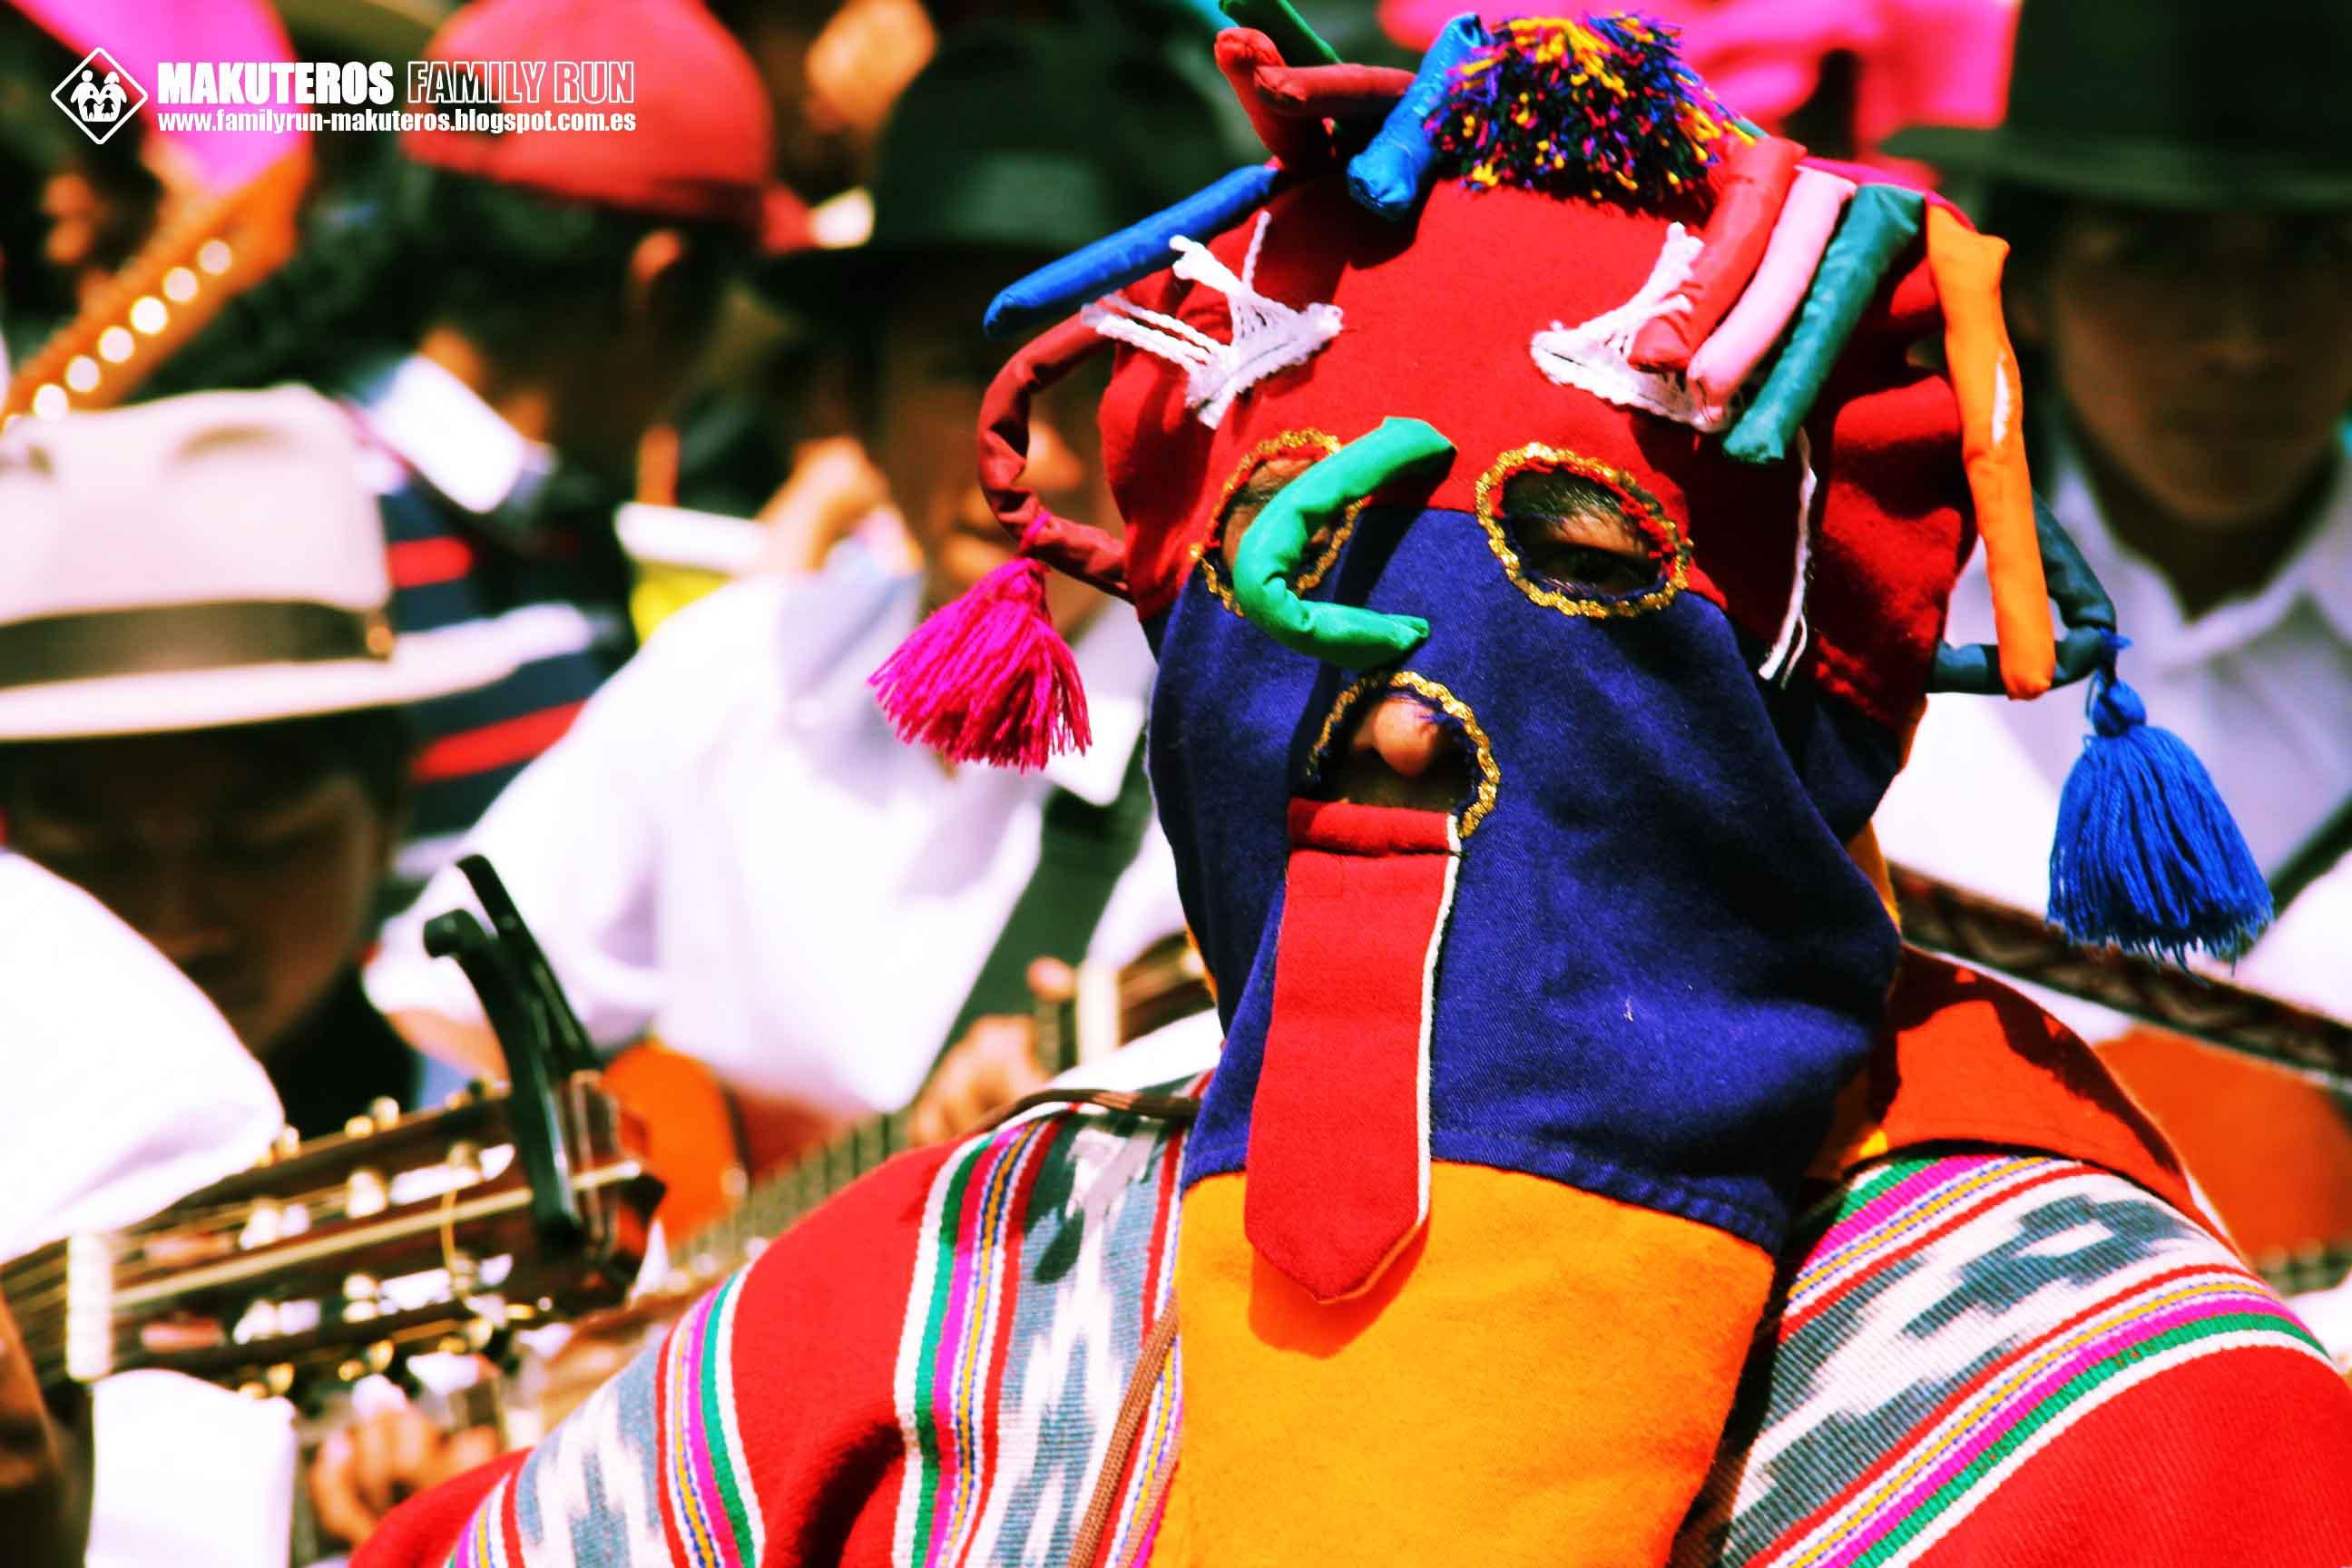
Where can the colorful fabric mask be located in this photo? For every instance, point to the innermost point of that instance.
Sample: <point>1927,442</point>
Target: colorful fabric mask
<point>1626,456</point>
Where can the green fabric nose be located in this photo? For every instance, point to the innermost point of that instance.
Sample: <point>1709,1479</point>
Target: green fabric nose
<point>1271,550</point>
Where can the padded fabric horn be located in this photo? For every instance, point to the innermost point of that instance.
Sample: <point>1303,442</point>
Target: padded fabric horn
<point>1083,550</point>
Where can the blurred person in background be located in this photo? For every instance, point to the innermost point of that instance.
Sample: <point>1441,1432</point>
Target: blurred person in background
<point>730,846</point>
<point>39,1513</point>
<point>70,212</point>
<point>507,316</point>
<point>75,211</point>
<point>209,740</point>
<point>125,1092</point>
<point>2180,290</point>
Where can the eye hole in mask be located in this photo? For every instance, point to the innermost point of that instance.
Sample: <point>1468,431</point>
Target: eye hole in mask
<point>1578,536</point>
<point>1442,762</point>
<point>1256,479</point>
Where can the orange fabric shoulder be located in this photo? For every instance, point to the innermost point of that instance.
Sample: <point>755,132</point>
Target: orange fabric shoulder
<point>1966,1060</point>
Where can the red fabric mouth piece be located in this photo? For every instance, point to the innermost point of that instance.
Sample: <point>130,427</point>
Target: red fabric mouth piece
<point>1339,1140</point>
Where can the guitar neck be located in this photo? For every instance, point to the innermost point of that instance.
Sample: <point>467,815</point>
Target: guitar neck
<point>777,1201</point>
<point>1107,1008</point>
<point>282,1269</point>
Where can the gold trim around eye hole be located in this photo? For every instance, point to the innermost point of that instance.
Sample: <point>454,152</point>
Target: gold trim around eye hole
<point>1490,776</point>
<point>1641,508</point>
<point>1210,553</point>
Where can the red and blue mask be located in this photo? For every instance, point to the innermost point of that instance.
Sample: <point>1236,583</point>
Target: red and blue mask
<point>1636,472</point>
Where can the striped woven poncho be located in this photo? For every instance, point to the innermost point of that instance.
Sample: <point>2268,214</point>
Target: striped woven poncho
<point>2008,1347</point>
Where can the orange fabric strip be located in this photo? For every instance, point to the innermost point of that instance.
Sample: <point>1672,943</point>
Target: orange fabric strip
<point>1967,267</point>
<point>1571,1353</point>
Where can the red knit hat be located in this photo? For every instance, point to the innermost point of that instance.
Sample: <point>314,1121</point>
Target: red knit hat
<point>704,142</point>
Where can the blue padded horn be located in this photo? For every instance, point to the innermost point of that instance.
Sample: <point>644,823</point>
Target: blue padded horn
<point>1136,251</point>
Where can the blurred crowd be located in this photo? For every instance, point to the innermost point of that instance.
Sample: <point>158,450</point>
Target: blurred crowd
<point>553,496</point>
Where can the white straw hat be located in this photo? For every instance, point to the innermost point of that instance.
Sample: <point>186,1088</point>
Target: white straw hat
<point>196,563</point>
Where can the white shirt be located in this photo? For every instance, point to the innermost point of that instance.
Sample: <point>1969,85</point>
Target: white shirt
<point>732,849</point>
<point>2260,688</point>
<point>124,1091</point>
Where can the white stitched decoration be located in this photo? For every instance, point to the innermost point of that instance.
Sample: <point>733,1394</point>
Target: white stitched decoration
<point>1790,646</point>
<point>1594,356</point>
<point>1268,335</point>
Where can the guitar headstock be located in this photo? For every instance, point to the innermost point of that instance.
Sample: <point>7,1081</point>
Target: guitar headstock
<point>341,1257</point>
<point>164,296</point>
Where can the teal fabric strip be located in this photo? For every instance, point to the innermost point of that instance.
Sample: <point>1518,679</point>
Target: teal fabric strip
<point>1879,221</point>
<point>1271,550</point>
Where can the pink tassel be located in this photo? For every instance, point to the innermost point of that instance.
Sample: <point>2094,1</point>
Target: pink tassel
<point>987,678</point>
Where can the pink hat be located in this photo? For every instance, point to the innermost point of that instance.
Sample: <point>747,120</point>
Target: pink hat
<point>704,142</point>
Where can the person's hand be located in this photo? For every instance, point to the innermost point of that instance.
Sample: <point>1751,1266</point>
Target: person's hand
<point>365,1469</point>
<point>993,1065</point>
<point>863,59</point>
<point>834,488</point>
<point>468,1045</point>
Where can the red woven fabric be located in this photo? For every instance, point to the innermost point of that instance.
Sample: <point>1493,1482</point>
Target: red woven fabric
<point>2234,1458</point>
<point>1337,1146</point>
<point>815,1348</point>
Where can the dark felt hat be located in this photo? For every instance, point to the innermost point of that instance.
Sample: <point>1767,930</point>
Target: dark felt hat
<point>1020,142</point>
<point>2180,103</point>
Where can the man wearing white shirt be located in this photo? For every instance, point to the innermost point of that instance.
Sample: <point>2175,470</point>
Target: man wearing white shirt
<point>126,1090</point>
<point>2185,307</point>
<point>730,847</point>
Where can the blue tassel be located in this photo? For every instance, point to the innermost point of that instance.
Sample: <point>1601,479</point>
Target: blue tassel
<point>2146,856</point>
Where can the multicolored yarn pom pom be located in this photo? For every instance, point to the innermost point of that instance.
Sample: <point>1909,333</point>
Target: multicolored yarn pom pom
<point>1604,107</point>
<point>987,678</point>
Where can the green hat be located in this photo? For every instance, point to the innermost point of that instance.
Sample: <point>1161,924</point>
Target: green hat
<point>1025,142</point>
<point>2175,103</point>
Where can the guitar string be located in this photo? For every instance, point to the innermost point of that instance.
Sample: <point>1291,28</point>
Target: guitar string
<point>46,1288</point>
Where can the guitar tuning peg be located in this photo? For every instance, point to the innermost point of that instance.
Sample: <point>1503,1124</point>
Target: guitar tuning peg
<point>359,1298</point>
<point>384,1112</point>
<point>358,1127</point>
<point>378,1356</point>
<point>465,1160</point>
<point>365,1194</point>
<point>283,1146</point>
<point>258,1321</point>
<point>264,1223</point>
<point>279,1378</point>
